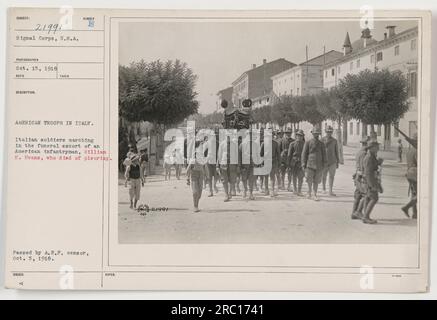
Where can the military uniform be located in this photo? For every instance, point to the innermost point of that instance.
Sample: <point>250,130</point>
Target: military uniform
<point>359,180</point>
<point>246,166</point>
<point>228,170</point>
<point>412,181</point>
<point>211,169</point>
<point>285,145</point>
<point>295,165</point>
<point>370,174</point>
<point>314,160</point>
<point>332,160</point>
<point>276,162</point>
<point>196,176</point>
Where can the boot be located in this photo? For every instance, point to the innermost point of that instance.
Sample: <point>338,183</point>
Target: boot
<point>414,211</point>
<point>369,208</point>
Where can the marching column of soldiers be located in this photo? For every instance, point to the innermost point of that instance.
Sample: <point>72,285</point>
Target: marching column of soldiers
<point>315,159</point>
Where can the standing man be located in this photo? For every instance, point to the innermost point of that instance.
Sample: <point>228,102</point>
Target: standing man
<point>211,169</point>
<point>179,162</point>
<point>228,170</point>
<point>360,192</point>
<point>412,180</point>
<point>195,178</point>
<point>314,161</point>
<point>246,169</point>
<point>133,176</point>
<point>276,162</point>
<point>278,137</point>
<point>285,145</point>
<point>400,150</point>
<point>332,159</point>
<point>144,161</point>
<point>294,163</point>
<point>372,184</point>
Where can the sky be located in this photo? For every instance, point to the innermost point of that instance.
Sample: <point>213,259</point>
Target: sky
<point>219,52</point>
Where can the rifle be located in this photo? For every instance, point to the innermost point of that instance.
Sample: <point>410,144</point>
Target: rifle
<point>413,142</point>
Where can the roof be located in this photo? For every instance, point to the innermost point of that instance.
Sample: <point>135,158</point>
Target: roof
<point>320,60</point>
<point>226,90</point>
<point>374,45</point>
<point>323,58</point>
<point>256,70</point>
<point>347,41</point>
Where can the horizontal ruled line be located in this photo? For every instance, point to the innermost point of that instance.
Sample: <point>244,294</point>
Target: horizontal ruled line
<point>56,31</point>
<point>65,62</point>
<point>36,46</point>
<point>57,78</point>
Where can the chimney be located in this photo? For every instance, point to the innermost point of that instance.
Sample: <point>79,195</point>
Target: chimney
<point>264,61</point>
<point>385,35</point>
<point>391,31</point>
<point>253,66</point>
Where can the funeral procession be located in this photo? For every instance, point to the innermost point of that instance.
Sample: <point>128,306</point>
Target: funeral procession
<point>323,149</point>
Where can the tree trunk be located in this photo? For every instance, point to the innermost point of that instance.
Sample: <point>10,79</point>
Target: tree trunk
<point>344,132</point>
<point>364,130</point>
<point>340,141</point>
<point>387,136</point>
<point>373,134</point>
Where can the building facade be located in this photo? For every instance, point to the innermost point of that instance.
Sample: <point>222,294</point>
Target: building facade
<point>256,83</point>
<point>225,94</point>
<point>305,78</point>
<point>397,51</point>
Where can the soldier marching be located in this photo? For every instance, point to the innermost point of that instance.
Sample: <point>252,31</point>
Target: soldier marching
<point>293,158</point>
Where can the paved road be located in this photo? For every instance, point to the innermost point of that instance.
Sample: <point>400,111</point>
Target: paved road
<point>283,219</point>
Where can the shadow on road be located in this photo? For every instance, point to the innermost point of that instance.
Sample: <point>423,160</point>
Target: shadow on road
<point>397,222</point>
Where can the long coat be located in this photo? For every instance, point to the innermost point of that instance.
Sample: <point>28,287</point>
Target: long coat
<point>314,155</point>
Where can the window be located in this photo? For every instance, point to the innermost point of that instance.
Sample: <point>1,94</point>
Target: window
<point>378,130</point>
<point>326,73</point>
<point>412,84</point>
<point>372,58</point>
<point>358,63</point>
<point>297,91</point>
<point>338,70</point>
<point>396,50</point>
<point>352,65</point>
<point>379,56</point>
<point>351,128</point>
<point>332,72</point>
<point>413,44</point>
<point>358,128</point>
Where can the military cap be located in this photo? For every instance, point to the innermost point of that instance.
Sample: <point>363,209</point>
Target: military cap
<point>329,129</point>
<point>300,132</point>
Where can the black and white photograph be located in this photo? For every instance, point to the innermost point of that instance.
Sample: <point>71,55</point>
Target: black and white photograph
<point>330,107</point>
